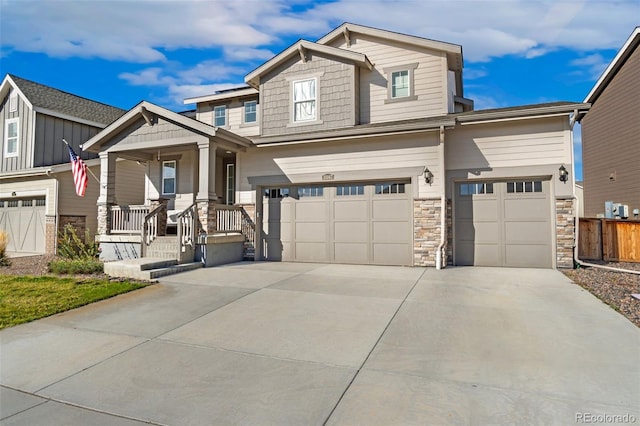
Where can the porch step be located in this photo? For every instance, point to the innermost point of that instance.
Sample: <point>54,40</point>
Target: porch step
<point>147,268</point>
<point>164,247</point>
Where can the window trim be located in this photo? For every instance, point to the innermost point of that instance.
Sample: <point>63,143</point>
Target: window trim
<point>7,123</point>
<point>230,192</point>
<point>226,115</point>
<point>294,79</point>
<point>175,178</point>
<point>410,68</point>
<point>244,113</point>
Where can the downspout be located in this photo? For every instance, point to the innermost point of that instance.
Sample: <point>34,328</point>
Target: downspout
<point>440,252</point>
<point>577,216</point>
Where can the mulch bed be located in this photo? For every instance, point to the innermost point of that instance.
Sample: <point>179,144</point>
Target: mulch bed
<point>613,288</point>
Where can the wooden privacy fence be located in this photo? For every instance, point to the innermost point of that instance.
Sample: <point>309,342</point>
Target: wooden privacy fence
<point>609,240</point>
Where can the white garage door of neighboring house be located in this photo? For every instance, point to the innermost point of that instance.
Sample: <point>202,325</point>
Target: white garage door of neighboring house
<point>24,220</point>
<point>354,223</point>
<point>503,224</point>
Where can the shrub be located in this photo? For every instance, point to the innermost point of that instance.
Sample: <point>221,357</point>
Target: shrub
<point>70,246</point>
<point>76,266</point>
<point>4,242</point>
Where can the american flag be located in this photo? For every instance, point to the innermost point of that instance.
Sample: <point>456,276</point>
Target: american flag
<point>79,170</point>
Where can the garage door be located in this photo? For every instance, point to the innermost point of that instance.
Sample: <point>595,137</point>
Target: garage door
<point>503,224</point>
<point>360,223</point>
<point>24,221</point>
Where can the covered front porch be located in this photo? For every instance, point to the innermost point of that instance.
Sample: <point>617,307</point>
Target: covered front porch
<point>188,209</point>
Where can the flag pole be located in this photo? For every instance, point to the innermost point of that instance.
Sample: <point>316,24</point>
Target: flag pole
<point>88,169</point>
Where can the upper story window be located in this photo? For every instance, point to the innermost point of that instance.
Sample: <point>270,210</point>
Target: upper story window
<point>11,137</point>
<point>251,111</point>
<point>304,100</point>
<point>400,83</point>
<point>220,116</point>
<point>169,177</point>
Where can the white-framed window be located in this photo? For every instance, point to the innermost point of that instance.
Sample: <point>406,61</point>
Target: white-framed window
<point>169,177</point>
<point>220,116</point>
<point>304,100</point>
<point>342,190</point>
<point>310,191</point>
<point>250,112</point>
<point>400,83</point>
<point>231,183</point>
<point>476,188</point>
<point>389,188</point>
<point>11,137</point>
<point>524,186</point>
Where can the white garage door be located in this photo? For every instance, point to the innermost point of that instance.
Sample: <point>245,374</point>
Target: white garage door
<point>24,220</point>
<point>503,224</point>
<point>360,223</point>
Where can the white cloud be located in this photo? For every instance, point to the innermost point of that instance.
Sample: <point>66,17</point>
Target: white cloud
<point>147,77</point>
<point>241,54</point>
<point>590,66</point>
<point>474,73</point>
<point>147,31</point>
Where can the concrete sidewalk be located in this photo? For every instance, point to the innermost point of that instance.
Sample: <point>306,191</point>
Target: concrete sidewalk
<point>309,344</point>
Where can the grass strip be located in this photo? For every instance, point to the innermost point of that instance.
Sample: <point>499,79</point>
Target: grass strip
<point>27,298</point>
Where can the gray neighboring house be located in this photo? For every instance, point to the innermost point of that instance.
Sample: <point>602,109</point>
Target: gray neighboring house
<point>37,193</point>
<point>357,148</point>
<point>611,134</point>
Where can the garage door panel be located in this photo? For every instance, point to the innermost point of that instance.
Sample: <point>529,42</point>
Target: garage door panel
<point>351,252</point>
<point>390,209</point>
<point>391,254</point>
<point>351,232</point>
<point>518,255</point>
<point>525,208</point>
<point>468,254</point>
<point>311,252</point>
<point>390,231</point>
<point>311,231</point>
<point>350,210</point>
<point>24,222</point>
<point>484,209</point>
<point>310,211</point>
<point>526,232</point>
<point>484,232</point>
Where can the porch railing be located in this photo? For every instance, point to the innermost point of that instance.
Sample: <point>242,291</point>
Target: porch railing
<point>150,226</point>
<point>186,224</point>
<point>128,219</point>
<point>235,219</point>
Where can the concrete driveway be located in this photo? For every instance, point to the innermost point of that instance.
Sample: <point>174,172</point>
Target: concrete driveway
<point>312,344</point>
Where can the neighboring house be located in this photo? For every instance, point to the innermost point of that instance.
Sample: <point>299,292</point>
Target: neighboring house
<point>580,198</point>
<point>358,148</point>
<point>611,134</point>
<point>37,193</point>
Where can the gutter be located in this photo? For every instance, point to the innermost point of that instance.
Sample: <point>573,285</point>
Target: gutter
<point>577,223</point>
<point>440,252</point>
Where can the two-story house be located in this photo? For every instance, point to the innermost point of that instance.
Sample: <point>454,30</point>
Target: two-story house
<point>359,148</point>
<point>37,192</point>
<point>611,135</point>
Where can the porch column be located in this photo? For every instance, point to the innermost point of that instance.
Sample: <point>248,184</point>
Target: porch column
<point>206,198</point>
<point>106,198</point>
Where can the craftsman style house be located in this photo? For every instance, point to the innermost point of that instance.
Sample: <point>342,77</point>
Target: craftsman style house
<point>357,148</point>
<point>611,135</point>
<point>37,193</point>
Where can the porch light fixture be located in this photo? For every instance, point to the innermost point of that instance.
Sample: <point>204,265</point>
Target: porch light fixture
<point>563,174</point>
<point>428,176</point>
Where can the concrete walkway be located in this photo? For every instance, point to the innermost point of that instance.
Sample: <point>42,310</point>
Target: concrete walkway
<point>313,344</point>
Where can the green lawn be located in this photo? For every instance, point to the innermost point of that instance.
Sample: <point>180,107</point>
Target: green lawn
<point>25,298</point>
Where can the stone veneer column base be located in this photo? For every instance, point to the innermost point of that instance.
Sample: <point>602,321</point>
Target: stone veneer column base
<point>207,216</point>
<point>50,235</point>
<point>426,231</point>
<point>565,232</point>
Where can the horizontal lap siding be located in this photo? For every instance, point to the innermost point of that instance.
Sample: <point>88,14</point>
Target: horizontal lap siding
<point>377,154</point>
<point>611,142</point>
<point>31,186</point>
<point>71,204</point>
<point>25,114</point>
<point>513,144</point>
<point>430,83</point>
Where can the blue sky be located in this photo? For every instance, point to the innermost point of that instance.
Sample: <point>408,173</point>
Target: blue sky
<point>118,52</point>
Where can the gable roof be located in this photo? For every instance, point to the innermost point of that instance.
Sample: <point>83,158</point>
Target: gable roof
<point>453,51</point>
<point>51,101</point>
<point>298,48</point>
<point>145,109</point>
<point>237,92</point>
<point>616,64</point>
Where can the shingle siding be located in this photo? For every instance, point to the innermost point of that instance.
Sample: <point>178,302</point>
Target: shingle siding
<point>611,142</point>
